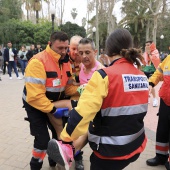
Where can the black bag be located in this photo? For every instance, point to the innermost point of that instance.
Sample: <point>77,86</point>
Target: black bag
<point>22,56</point>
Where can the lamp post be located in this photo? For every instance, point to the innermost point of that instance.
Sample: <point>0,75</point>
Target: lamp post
<point>161,37</point>
<point>94,31</point>
<point>52,11</point>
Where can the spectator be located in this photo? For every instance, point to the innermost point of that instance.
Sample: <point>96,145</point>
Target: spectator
<point>38,49</point>
<point>1,61</point>
<point>31,52</point>
<point>9,58</point>
<point>152,60</point>
<point>22,58</point>
<point>4,63</point>
<point>103,58</point>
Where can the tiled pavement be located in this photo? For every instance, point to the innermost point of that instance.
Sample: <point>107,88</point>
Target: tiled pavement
<point>16,143</point>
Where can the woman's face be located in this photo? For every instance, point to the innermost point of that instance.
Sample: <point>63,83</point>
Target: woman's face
<point>87,54</point>
<point>23,48</point>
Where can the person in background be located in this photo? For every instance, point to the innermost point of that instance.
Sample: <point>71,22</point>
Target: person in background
<point>163,130</point>
<point>4,63</point>
<point>38,49</point>
<point>46,77</point>
<point>31,52</point>
<point>1,61</point>
<point>9,58</point>
<point>22,58</point>
<point>103,58</point>
<point>151,62</point>
<point>115,126</point>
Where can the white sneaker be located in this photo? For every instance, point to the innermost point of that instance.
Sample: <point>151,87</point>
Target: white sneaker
<point>155,102</point>
<point>10,78</point>
<point>19,78</point>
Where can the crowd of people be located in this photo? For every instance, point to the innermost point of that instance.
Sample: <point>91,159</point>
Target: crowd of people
<point>84,100</point>
<point>14,59</point>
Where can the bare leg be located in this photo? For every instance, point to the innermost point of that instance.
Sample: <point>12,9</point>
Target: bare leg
<point>153,92</point>
<point>80,142</point>
<point>57,124</point>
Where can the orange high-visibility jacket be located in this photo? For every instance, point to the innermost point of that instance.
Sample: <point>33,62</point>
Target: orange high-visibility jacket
<point>45,80</point>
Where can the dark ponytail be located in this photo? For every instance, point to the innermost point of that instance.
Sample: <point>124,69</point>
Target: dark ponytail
<point>133,55</point>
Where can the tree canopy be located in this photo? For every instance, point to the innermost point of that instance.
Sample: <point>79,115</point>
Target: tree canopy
<point>73,29</point>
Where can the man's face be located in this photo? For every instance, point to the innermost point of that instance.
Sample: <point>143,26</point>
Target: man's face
<point>60,47</point>
<point>38,46</point>
<point>74,50</point>
<point>9,45</point>
<point>87,54</point>
<point>32,47</point>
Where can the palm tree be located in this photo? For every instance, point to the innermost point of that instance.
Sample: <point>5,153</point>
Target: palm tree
<point>37,6</point>
<point>135,20</point>
<point>74,13</point>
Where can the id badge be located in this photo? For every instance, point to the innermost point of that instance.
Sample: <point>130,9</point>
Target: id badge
<point>56,82</point>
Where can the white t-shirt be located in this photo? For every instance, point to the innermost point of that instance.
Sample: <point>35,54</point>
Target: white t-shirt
<point>11,55</point>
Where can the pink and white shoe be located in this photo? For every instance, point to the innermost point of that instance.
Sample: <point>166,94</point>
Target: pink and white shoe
<point>60,153</point>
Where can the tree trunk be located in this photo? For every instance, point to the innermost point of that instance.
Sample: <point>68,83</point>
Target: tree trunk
<point>37,17</point>
<point>97,28</point>
<point>147,30</point>
<point>42,9</point>
<point>111,19</point>
<point>155,25</point>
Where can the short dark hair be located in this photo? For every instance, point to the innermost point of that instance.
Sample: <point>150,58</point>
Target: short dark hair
<point>149,41</point>
<point>87,41</point>
<point>58,35</point>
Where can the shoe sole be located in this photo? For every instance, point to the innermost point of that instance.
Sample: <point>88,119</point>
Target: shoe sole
<point>56,154</point>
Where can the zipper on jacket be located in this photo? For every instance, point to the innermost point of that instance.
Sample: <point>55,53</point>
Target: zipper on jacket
<point>61,70</point>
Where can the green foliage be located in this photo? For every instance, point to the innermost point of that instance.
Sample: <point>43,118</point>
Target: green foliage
<point>73,29</point>
<point>102,31</point>
<point>25,32</point>
<point>135,20</point>
<point>102,34</point>
<point>10,9</point>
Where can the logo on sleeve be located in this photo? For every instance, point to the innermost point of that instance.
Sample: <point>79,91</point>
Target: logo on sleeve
<point>135,82</point>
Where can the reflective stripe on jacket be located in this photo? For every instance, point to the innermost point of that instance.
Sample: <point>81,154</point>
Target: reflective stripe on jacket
<point>163,74</point>
<point>118,129</point>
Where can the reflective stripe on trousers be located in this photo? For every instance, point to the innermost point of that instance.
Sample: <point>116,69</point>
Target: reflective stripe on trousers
<point>39,154</point>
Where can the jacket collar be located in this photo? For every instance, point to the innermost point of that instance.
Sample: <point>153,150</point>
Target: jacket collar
<point>53,54</point>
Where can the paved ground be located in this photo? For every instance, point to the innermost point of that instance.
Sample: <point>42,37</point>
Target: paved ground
<point>16,143</point>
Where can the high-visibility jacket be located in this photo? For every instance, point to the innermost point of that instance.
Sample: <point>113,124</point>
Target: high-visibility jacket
<point>71,91</point>
<point>45,80</point>
<point>115,101</point>
<point>163,74</point>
